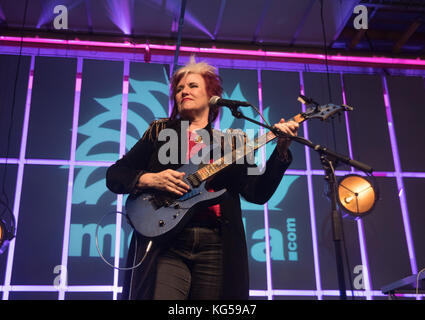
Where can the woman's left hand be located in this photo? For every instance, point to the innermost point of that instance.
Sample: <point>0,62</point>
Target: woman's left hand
<point>291,128</point>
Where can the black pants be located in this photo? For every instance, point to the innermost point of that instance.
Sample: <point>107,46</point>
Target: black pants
<point>192,267</point>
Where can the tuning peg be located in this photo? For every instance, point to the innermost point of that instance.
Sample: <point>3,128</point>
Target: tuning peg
<point>348,108</point>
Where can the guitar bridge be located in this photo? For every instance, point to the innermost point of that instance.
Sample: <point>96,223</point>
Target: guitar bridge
<point>157,202</point>
<point>160,200</point>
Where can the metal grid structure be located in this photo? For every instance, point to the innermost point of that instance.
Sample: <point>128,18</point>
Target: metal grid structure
<point>238,63</point>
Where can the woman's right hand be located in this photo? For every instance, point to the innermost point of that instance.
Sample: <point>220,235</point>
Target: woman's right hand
<point>167,180</point>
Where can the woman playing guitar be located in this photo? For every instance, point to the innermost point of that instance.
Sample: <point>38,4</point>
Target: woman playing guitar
<point>208,258</point>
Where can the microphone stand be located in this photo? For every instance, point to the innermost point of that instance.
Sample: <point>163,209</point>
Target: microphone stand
<point>329,160</point>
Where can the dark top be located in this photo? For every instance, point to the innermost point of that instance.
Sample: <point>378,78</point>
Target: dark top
<point>122,178</point>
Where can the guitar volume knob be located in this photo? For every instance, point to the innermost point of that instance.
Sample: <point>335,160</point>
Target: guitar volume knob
<point>161,223</point>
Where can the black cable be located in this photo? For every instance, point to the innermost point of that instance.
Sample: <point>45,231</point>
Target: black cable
<point>6,203</point>
<point>334,140</point>
<point>148,248</point>
<point>179,35</point>
<point>325,47</point>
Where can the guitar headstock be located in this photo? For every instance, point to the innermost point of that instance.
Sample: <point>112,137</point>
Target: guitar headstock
<point>325,111</point>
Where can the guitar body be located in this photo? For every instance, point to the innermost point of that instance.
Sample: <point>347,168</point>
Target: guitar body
<point>160,215</point>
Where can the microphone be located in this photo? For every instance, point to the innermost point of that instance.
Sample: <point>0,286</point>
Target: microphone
<point>217,101</point>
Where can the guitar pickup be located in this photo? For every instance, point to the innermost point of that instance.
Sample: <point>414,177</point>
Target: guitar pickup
<point>194,181</point>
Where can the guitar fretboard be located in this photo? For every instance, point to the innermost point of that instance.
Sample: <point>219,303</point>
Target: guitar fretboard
<point>239,154</point>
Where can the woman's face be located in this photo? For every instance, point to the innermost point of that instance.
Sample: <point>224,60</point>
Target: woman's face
<point>191,96</point>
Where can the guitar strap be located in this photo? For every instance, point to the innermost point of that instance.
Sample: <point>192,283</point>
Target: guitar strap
<point>154,128</point>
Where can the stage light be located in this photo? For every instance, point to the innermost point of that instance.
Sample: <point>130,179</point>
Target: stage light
<point>2,236</point>
<point>357,196</point>
<point>7,230</point>
<point>1,233</point>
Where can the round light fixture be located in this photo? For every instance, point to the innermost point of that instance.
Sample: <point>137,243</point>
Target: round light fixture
<point>357,196</point>
<point>1,233</point>
<point>3,239</point>
<point>7,230</point>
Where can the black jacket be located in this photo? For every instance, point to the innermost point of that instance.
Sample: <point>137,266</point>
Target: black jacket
<point>122,177</point>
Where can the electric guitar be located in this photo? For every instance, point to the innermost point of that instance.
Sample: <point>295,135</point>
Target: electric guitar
<point>159,215</point>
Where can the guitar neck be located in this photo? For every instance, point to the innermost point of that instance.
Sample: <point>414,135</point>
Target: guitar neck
<point>238,154</point>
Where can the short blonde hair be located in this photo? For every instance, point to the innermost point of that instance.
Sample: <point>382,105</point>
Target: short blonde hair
<point>212,83</point>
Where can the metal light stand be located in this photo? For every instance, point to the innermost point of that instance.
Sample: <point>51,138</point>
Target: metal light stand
<point>329,161</point>
<point>337,233</point>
